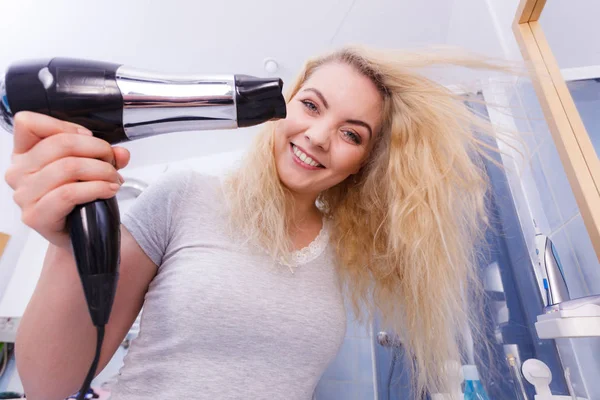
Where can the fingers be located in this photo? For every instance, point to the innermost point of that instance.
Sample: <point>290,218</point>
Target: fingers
<point>30,128</point>
<point>61,172</point>
<point>49,212</point>
<point>57,165</point>
<point>63,145</point>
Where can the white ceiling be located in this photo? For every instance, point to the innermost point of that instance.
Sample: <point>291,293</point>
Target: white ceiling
<point>572,29</point>
<point>220,36</point>
<point>395,23</point>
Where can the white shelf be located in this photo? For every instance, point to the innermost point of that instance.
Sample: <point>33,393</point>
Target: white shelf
<point>568,327</point>
<point>575,318</point>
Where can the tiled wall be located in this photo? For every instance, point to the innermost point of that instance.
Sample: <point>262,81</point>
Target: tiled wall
<point>586,94</point>
<point>350,375</point>
<point>563,223</point>
<point>542,193</point>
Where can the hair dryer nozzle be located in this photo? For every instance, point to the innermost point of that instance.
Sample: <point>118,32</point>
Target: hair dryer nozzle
<point>259,100</point>
<point>6,116</point>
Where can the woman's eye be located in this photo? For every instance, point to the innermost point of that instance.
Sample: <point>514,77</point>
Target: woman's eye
<point>352,136</point>
<point>310,105</point>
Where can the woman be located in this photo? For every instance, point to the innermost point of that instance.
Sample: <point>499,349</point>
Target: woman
<point>372,187</point>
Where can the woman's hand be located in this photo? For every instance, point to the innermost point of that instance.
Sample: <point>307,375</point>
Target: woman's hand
<point>57,165</point>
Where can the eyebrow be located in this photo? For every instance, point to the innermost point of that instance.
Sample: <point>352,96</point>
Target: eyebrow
<point>350,121</point>
<point>319,95</point>
<point>361,123</point>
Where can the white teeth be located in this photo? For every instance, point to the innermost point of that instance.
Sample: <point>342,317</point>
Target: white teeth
<point>306,159</point>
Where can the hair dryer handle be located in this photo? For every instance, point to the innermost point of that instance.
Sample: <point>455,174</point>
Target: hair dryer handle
<point>96,240</point>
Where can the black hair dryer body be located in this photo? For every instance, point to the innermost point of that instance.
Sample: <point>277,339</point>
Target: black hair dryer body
<point>119,103</point>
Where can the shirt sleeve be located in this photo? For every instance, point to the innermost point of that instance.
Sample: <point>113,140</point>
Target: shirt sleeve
<point>150,219</point>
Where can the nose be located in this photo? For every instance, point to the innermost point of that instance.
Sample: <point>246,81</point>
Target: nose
<point>319,136</point>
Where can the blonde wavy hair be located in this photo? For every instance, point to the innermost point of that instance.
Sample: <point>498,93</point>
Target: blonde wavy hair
<point>406,228</point>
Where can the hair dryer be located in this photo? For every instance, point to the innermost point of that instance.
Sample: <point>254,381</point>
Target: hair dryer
<point>119,103</point>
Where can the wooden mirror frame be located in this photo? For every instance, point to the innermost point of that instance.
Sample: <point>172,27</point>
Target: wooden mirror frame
<point>574,146</point>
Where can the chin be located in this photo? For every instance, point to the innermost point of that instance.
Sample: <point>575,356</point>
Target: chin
<point>296,184</point>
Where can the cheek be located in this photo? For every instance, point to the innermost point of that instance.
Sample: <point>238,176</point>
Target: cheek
<point>296,117</point>
<point>348,159</point>
<point>285,130</point>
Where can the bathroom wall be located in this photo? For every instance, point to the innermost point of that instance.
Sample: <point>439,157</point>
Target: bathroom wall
<point>540,189</point>
<point>586,94</point>
<point>545,203</point>
<point>565,227</point>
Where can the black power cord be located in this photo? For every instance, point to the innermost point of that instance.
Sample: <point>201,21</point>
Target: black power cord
<point>90,376</point>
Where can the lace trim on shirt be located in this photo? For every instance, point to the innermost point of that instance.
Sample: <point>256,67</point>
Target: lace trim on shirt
<point>314,249</point>
<point>310,252</point>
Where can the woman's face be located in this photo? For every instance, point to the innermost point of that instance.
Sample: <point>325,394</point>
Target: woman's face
<point>329,130</point>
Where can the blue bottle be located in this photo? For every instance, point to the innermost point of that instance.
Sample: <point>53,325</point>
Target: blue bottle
<point>473,388</point>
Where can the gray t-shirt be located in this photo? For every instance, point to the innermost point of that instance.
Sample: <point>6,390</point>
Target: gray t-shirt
<point>221,319</point>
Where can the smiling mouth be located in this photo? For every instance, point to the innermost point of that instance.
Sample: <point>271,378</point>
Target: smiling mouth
<point>305,158</point>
